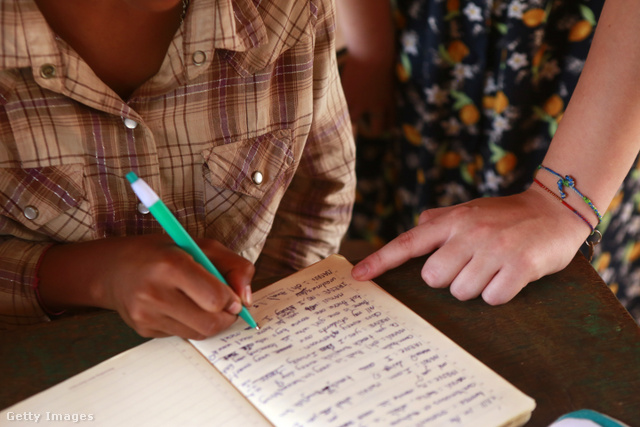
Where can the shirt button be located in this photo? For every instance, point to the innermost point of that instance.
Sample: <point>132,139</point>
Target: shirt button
<point>143,209</point>
<point>48,71</point>
<point>131,124</point>
<point>257,177</point>
<point>199,57</point>
<point>31,212</point>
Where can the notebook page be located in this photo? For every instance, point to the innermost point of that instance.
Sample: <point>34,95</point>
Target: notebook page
<point>162,382</point>
<point>333,351</point>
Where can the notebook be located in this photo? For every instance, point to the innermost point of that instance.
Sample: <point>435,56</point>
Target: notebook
<point>331,351</point>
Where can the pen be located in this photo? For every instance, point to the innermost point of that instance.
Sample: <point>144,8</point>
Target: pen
<point>179,235</point>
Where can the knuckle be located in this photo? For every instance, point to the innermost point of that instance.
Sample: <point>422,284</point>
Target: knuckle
<point>165,266</point>
<point>462,211</point>
<point>218,323</point>
<point>147,333</point>
<point>169,260</point>
<point>142,296</point>
<point>433,275</point>
<point>138,315</point>
<point>247,266</point>
<point>496,297</point>
<point>218,298</point>
<point>140,321</point>
<point>407,241</point>
<point>190,334</point>
<point>526,264</point>
<point>494,300</point>
<point>463,293</point>
<point>374,260</point>
<point>429,277</point>
<point>425,216</point>
<point>198,337</point>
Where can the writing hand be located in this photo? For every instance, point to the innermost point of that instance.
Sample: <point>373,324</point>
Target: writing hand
<point>491,247</point>
<point>156,287</point>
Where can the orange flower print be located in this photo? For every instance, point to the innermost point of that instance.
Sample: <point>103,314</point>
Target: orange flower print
<point>450,160</point>
<point>469,114</point>
<point>501,102</point>
<point>412,134</point>
<point>453,9</point>
<point>455,52</point>
<point>534,17</point>
<point>505,161</point>
<point>551,112</point>
<point>583,28</point>
<point>467,111</point>
<point>554,105</point>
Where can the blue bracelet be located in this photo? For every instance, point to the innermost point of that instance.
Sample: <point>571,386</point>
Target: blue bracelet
<point>568,181</point>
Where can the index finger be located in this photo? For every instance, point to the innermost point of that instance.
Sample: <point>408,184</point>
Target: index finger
<point>420,240</point>
<point>236,270</point>
<point>199,285</point>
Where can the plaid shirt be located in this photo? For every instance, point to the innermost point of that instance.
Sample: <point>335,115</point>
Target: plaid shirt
<point>243,132</point>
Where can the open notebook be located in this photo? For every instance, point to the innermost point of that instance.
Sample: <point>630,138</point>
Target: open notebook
<point>331,351</point>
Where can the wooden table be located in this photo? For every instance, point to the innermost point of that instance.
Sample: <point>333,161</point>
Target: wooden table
<point>565,341</point>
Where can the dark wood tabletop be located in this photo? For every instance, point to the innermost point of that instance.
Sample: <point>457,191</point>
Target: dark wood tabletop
<point>564,340</point>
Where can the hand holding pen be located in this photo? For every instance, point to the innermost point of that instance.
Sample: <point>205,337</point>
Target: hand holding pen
<point>170,223</point>
<point>157,288</point>
<point>168,293</point>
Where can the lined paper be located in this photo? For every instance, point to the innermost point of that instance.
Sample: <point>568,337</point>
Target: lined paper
<point>163,382</point>
<point>333,351</point>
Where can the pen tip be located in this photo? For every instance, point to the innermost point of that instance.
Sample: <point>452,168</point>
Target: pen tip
<point>257,327</point>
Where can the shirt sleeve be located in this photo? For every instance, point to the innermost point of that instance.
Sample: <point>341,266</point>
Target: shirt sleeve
<point>18,301</point>
<point>316,209</point>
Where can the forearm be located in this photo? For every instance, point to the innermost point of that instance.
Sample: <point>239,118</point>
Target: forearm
<point>69,275</point>
<point>599,136</point>
<point>157,288</point>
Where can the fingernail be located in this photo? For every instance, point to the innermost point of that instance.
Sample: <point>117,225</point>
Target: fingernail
<point>235,307</point>
<point>248,296</point>
<point>360,270</point>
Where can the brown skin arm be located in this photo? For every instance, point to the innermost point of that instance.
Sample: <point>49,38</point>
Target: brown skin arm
<point>156,287</point>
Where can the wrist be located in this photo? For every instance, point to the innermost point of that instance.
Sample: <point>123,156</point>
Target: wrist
<point>559,215</point>
<point>36,285</point>
<point>66,277</point>
<point>565,190</point>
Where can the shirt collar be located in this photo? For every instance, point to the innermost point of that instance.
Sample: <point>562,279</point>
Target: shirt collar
<point>27,39</point>
<point>231,25</point>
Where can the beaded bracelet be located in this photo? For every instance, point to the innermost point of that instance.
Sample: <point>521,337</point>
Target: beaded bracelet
<point>565,203</point>
<point>36,284</point>
<point>594,238</point>
<point>568,181</point>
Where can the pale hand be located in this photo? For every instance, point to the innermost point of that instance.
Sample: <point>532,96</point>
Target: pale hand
<point>491,247</point>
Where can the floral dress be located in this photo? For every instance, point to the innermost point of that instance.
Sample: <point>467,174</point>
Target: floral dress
<point>482,88</point>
